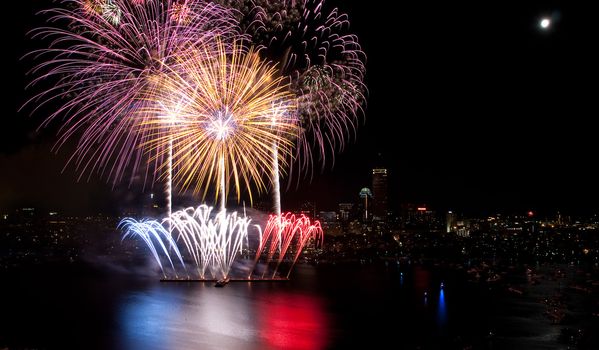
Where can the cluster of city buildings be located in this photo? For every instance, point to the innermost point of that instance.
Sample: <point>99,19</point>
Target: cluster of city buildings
<point>371,212</point>
<point>366,227</point>
<point>30,236</point>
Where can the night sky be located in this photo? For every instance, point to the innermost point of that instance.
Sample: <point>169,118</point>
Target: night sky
<point>471,106</point>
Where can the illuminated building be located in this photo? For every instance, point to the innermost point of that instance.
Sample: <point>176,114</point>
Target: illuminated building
<point>150,205</point>
<point>450,222</point>
<point>330,222</point>
<point>420,217</point>
<point>309,209</point>
<point>365,193</point>
<point>328,217</point>
<point>345,211</point>
<point>379,188</point>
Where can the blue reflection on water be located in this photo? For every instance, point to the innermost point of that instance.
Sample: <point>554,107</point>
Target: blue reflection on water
<point>141,319</point>
<point>238,317</point>
<point>187,317</point>
<point>441,309</point>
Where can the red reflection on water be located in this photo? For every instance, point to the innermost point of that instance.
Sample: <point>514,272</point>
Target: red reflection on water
<point>421,279</point>
<point>291,321</point>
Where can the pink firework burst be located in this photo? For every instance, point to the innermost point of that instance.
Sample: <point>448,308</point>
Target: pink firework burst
<point>325,64</point>
<point>180,12</point>
<point>285,237</point>
<point>104,58</point>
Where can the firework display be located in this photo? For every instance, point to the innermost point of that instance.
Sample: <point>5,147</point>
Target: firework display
<point>155,236</point>
<point>226,119</point>
<point>325,66</point>
<point>220,97</point>
<point>104,57</point>
<point>285,237</point>
<point>323,60</point>
<point>211,241</point>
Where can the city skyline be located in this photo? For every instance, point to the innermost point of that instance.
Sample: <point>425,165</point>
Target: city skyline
<point>487,115</point>
<point>307,175</point>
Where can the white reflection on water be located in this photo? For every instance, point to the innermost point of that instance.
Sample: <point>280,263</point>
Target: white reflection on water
<point>239,316</point>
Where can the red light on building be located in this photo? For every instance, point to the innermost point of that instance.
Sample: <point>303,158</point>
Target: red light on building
<point>421,208</point>
<point>531,213</point>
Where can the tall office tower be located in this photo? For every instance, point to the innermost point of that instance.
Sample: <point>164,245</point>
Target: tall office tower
<point>450,221</point>
<point>379,193</point>
<point>365,194</point>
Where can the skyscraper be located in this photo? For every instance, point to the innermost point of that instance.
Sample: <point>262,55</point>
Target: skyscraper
<point>379,188</point>
<point>450,222</point>
<point>365,193</point>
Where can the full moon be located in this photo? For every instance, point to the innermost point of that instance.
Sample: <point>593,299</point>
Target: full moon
<point>545,23</point>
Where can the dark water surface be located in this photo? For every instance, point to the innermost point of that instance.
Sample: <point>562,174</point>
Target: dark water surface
<point>323,307</point>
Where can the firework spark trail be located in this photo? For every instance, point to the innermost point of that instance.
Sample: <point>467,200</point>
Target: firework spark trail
<point>305,234</point>
<point>104,54</point>
<point>169,117</point>
<point>212,243</point>
<point>279,113</point>
<point>169,182</point>
<point>287,231</point>
<point>151,231</point>
<point>276,183</point>
<point>324,62</point>
<point>226,123</point>
<point>231,240</point>
<point>223,187</point>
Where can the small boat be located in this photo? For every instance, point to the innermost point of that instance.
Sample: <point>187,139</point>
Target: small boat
<point>222,282</point>
<point>516,290</point>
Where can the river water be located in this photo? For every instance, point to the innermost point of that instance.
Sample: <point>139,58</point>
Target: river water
<point>322,307</point>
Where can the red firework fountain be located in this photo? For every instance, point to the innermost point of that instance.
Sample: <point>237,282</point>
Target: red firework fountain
<point>285,237</point>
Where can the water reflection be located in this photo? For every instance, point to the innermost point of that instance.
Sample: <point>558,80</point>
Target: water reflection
<point>441,309</point>
<point>141,316</point>
<point>331,307</point>
<point>421,282</point>
<point>422,279</point>
<point>199,316</point>
<point>291,321</point>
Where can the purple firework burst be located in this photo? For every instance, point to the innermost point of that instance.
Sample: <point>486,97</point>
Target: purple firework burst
<point>324,62</point>
<point>104,58</point>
